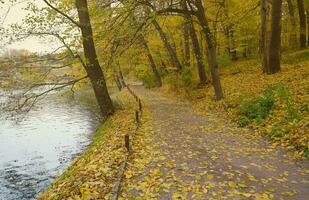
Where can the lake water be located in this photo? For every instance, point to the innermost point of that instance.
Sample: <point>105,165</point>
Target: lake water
<point>36,149</point>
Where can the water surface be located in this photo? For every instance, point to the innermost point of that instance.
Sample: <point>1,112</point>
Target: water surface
<point>36,149</point>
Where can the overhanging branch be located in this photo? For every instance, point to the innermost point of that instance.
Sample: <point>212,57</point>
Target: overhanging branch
<point>62,13</point>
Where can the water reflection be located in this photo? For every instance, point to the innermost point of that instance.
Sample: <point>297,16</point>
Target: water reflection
<point>35,150</point>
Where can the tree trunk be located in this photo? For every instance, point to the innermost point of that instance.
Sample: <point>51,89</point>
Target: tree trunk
<point>307,11</point>
<point>275,38</point>
<point>196,47</point>
<point>229,33</point>
<point>172,54</point>
<point>263,37</point>
<point>198,55</point>
<point>202,47</point>
<point>186,35</point>
<point>152,62</point>
<point>213,65</point>
<point>92,66</point>
<point>233,44</point>
<point>302,23</point>
<point>293,39</point>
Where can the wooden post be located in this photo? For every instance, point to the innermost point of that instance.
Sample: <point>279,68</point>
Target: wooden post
<point>127,143</point>
<point>140,105</point>
<point>137,118</point>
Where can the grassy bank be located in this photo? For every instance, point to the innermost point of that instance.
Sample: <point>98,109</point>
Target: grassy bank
<point>276,105</point>
<point>93,174</point>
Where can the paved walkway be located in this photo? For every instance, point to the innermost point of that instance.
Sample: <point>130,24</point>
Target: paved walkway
<point>204,157</point>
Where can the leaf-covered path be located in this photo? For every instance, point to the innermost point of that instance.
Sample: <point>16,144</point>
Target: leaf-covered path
<point>200,156</point>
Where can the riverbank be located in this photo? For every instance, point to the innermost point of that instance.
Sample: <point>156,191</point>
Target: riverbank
<point>177,155</point>
<point>93,174</point>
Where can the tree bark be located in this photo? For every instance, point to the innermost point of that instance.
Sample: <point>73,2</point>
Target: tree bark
<point>302,23</point>
<point>92,66</point>
<point>198,55</point>
<point>263,37</point>
<point>229,33</point>
<point>307,11</point>
<point>293,39</point>
<point>152,62</point>
<point>186,37</point>
<point>213,65</point>
<point>275,38</point>
<point>196,47</point>
<point>172,54</point>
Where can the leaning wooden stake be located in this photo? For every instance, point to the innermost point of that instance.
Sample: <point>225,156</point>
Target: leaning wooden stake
<point>140,105</point>
<point>123,165</point>
<point>137,118</point>
<point>118,183</point>
<point>127,143</point>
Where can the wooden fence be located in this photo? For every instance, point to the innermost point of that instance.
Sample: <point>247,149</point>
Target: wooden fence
<point>127,144</point>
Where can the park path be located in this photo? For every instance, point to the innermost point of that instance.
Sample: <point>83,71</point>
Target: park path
<point>204,157</point>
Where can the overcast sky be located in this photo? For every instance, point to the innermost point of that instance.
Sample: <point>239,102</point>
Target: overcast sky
<point>15,15</point>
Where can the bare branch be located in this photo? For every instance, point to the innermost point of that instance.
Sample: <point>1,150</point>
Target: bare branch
<point>56,86</point>
<point>62,13</point>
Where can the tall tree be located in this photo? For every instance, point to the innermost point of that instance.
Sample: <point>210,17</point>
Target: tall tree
<point>302,23</point>
<point>263,36</point>
<point>151,62</point>
<point>196,47</point>
<point>229,32</point>
<point>92,66</point>
<point>211,45</point>
<point>186,38</point>
<point>275,38</point>
<point>293,39</point>
<point>307,12</point>
<point>171,52</point>
<point>198,54</point>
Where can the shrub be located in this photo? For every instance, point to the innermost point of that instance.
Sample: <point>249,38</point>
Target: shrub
<point>149,80</point>
<point>256,109</point>
<point>186,76</point>
<point>224,60</point>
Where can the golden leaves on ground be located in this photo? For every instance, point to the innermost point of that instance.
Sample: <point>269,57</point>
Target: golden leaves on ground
<point>188,155</point>
<point>92,175</point>
<point>249,81</point>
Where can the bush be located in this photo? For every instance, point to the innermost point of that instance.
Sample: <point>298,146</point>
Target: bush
<point>172,81</point>
<point>256,109</point>
<point>149,80</point>
<point>224,60</point>
<point>186,77</point>
<point>180,82</point>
